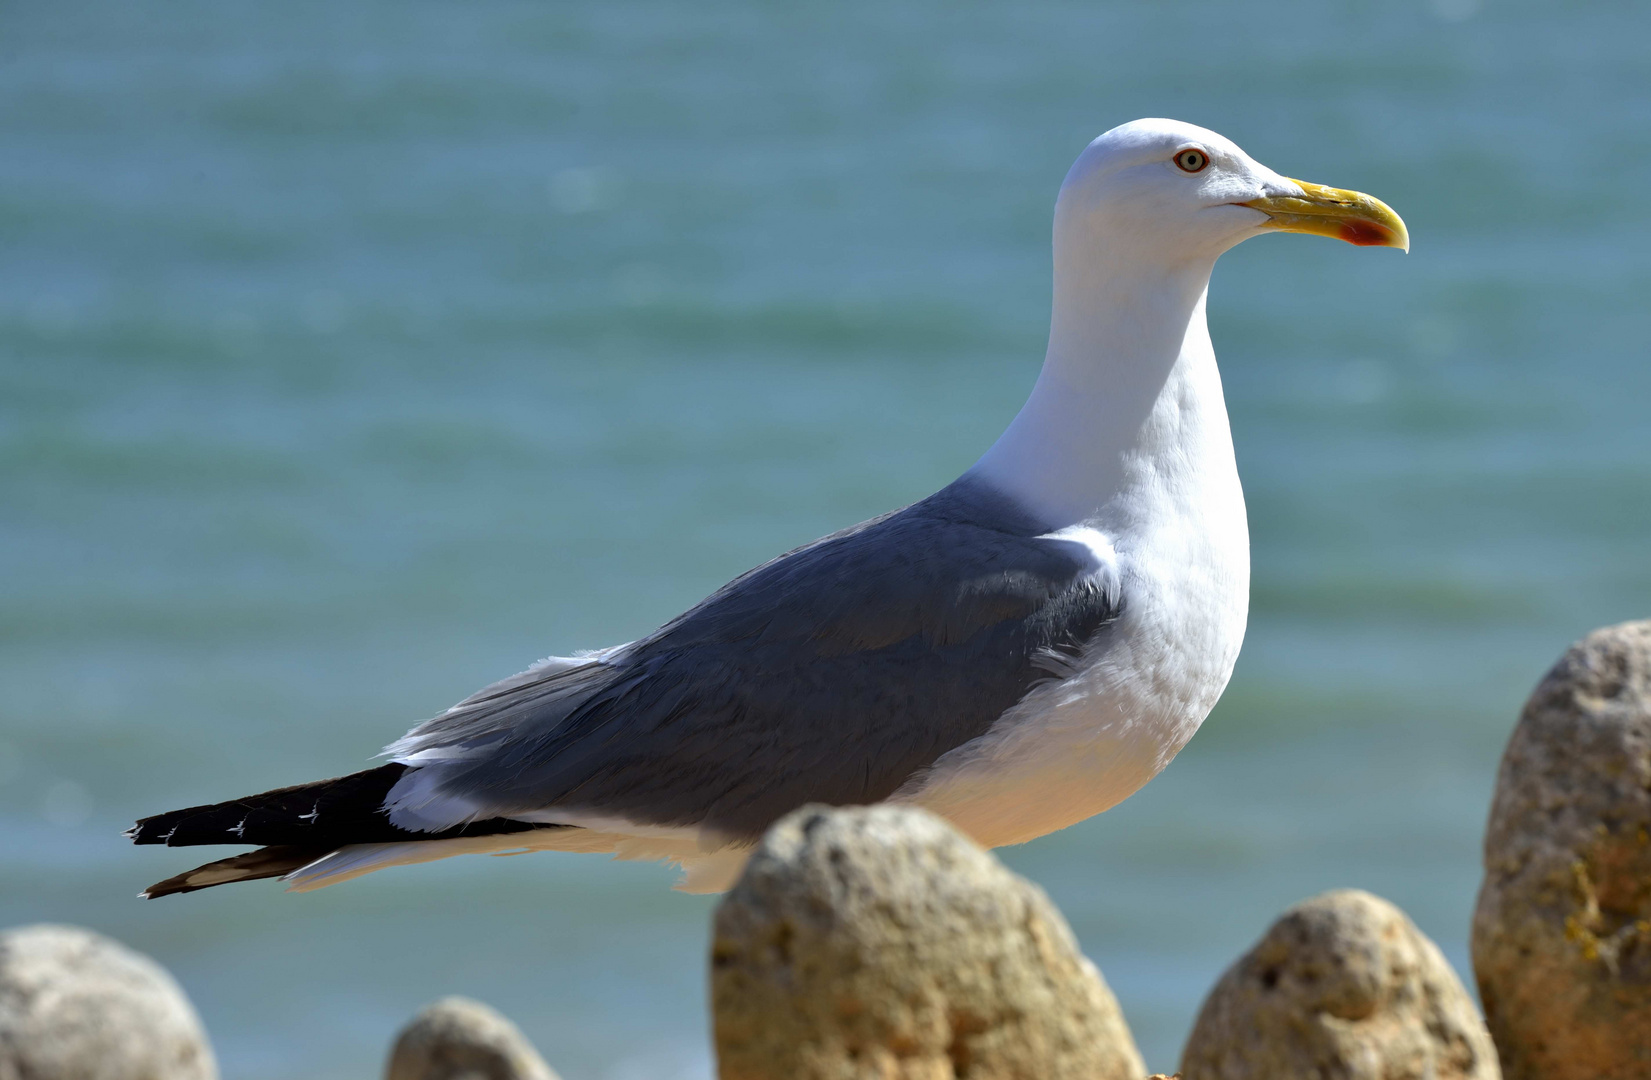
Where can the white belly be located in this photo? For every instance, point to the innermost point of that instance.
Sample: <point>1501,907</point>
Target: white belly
<point>1079,745</point>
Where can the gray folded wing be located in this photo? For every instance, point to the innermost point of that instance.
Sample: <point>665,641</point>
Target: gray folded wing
<point>831,674</point>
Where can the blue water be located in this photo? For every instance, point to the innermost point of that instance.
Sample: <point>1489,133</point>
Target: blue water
<point>352,356</point>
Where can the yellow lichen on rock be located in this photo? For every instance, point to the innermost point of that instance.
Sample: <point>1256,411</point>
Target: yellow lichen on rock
<point>1562,931</point>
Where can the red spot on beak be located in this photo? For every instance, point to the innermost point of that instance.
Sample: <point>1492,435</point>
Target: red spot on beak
<point>1365,233</point>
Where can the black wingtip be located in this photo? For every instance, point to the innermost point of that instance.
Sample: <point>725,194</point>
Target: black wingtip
<point>350,806</point>
<point>293,826</point>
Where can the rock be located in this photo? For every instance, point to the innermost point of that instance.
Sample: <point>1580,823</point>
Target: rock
<point>75,1005</point>
<point>1562,932</point>
<point>460,1039</point>
<point>877,942</point>
<point>1343,985</point>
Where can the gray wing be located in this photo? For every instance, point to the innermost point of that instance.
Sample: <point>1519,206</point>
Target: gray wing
<point>831,674</point>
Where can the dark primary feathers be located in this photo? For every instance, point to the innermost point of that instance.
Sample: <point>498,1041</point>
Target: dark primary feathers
<point>297,824</point>
<point>834,673</point>
<point>324,813</point>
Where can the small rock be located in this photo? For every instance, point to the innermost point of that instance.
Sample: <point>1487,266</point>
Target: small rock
<point>877,943</point>
<point>460,1039</point>
<point>1562,932</point>
<point>75,1005</point>
<point>1343,985</point>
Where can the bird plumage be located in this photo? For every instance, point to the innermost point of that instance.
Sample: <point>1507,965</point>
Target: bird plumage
<point>1018,651</point>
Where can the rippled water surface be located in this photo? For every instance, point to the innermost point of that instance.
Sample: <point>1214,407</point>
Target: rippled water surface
<point>352,356</point>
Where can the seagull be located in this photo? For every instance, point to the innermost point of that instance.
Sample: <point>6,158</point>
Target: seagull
<point>1018,652</point>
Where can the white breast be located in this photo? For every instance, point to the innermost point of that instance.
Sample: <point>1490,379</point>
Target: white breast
<point>1076,746</point>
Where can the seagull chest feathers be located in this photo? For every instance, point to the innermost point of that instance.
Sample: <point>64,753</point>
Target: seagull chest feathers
<point>1164,505</point>
<point>1017,652</point>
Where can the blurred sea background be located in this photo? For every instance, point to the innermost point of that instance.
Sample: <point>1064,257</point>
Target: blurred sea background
<point>353,356</point>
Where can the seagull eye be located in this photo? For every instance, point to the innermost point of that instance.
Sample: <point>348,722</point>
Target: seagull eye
<point>1192,160</point>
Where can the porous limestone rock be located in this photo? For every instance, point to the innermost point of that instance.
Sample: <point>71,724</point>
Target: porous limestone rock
<point>1562,932</point>
<point>1343,985</point>
<point>876,943</point>
<point>75,1005</point>
<point>460,1039</point>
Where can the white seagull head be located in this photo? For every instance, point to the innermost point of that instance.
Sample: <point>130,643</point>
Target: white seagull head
<point>1167,192</point>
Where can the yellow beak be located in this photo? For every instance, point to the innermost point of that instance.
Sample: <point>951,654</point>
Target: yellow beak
<point>1345,215</point>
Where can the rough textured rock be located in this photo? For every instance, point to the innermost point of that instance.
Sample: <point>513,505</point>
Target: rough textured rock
<point>878,944</point>
<point>75,1005</point>
<point>1562,933</point>
<point>460,1039</point>
<point>1342,986</point>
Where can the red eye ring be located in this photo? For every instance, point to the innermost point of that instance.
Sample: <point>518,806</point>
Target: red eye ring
<point>1192,160</point>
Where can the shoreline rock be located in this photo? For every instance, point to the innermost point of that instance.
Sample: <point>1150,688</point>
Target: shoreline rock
<point>1341,985</point>
<point>457,1038</point>
<point>75,1005</point>
<point>1562,929</point>
<point>879,943</point>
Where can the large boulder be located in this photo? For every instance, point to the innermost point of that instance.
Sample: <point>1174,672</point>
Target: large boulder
<point>460,1039</point>
<point>75,1005</point>
<point>1343,985</point>
<point>1562,933</point>
<point>877,942</point>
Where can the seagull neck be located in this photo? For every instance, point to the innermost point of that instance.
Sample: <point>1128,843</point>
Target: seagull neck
<point>1122,346</point>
